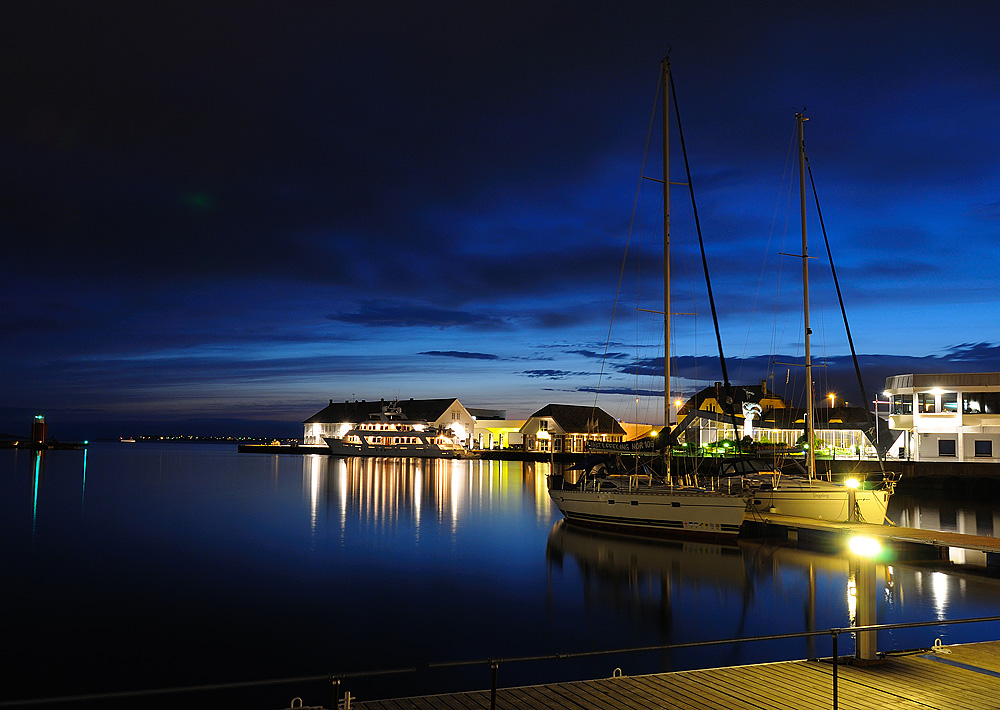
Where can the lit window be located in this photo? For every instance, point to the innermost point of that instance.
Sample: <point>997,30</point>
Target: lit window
<point>980,402</point>
<point>949,402</point>
<point>925,402</point>
<point>901,404</point>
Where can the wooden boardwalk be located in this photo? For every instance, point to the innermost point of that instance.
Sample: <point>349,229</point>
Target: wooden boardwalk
<point>962,677</point>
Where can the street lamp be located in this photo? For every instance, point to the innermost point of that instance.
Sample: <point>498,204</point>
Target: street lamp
<point>865,550</point>
<point>833,399</point>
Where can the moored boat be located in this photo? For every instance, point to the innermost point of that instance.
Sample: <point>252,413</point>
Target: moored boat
<point>626,503</point>
<point>771,491</point>
<point>388,433</point>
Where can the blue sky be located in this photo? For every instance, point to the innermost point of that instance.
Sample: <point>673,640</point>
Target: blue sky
<point>217,218</point>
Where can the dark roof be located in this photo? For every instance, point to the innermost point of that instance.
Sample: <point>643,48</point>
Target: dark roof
<point>739,393</point>
<point>579,419</point>
<point>427,409</point>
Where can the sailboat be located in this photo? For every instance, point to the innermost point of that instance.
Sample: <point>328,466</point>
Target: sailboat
<point>807,496</point>
<point>625,503</point>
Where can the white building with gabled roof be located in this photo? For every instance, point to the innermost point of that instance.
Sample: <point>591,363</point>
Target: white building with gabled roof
<point>445,413</point>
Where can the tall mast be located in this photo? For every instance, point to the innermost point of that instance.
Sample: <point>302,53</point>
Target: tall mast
<point>665,66</point>
<point>810,434</point>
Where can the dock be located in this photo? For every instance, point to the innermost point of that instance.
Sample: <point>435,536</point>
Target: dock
<point>908,543</point>
<point>960,677</point>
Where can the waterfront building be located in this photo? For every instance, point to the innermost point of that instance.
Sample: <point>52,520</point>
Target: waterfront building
<point>945,417</point>
<point>568,427</point>
<point>768,419</point>
<point>331,420</point>
<point>493,430</point>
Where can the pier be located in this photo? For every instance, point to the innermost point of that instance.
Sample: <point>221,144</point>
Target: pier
<point>907,543</point>
<point>961,677</point>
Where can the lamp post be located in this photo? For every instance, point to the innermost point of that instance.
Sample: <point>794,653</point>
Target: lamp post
<point>865,550</point>
<point>852,499</point>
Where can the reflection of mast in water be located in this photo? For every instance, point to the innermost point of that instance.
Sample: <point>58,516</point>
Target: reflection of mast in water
<point>647,578</point>
<point>641,577</point>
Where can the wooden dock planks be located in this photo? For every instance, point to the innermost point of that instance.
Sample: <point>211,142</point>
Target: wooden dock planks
<point>968,678</point>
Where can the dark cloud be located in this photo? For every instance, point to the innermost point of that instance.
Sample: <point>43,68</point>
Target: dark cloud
<point>460,355</point>
<point>594,355</point>
<point>393,315</point>
<point>553,374</point>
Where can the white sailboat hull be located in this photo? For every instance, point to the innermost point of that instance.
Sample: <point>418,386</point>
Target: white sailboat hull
<point>821,500</point>
<point>696,513</point>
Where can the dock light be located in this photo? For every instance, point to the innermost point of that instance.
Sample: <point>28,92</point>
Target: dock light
<point>833,398</point>
<point>864,546</point>
<point>852,499</point>
<point>865,549</point>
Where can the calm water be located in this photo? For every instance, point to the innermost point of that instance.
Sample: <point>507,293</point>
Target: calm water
<point>146,566</point>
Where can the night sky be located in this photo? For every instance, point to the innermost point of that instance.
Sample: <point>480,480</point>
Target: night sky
<point>217,216</point>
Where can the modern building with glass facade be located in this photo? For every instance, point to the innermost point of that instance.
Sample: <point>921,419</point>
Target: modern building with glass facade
<point>945,417</point>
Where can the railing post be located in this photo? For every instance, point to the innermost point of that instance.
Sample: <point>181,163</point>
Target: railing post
<point>336,692</point>
<point>836,660</point>
<point>494,667</point>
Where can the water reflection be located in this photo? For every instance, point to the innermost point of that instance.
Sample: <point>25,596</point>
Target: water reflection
<point>940,513</point>
<point>379,494</point>
<point>38,465</point>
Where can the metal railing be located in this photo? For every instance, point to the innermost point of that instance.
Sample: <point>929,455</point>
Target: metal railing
<point>337,679</point>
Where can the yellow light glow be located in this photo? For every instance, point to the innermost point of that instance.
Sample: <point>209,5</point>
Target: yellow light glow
<point>864,546</point>
<point>852,483</point>
<point>654,433</point>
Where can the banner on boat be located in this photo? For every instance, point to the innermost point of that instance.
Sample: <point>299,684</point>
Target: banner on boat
<point>638,446</point>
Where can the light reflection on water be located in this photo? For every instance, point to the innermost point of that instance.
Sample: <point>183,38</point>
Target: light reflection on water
<point>192,564</point>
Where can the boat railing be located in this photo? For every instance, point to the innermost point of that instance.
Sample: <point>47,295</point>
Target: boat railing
<point>339,681</point>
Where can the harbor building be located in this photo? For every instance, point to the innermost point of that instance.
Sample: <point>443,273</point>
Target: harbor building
<point>493,430</point>
<point>566,428</point>
<point>768,419</point>
<point>945,417</point>
<point>339,417</point>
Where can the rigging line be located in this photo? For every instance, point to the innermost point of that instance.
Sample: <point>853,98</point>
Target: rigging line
<point>843,311</point>
<point>774,218</point>
<point>775,337</point>
<point>728,404</point>
<point>628,236</point>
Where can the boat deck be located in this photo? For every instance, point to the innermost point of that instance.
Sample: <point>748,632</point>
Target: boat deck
<point>962,677</point>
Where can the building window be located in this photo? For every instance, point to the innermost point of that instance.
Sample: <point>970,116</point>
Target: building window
<point>946,447</point>
<point>925,403</point>
<point>901,404</point>
<point>984,449</point>
<point>949,402</point>
<point>543,424</point>
<point>980,402</point>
